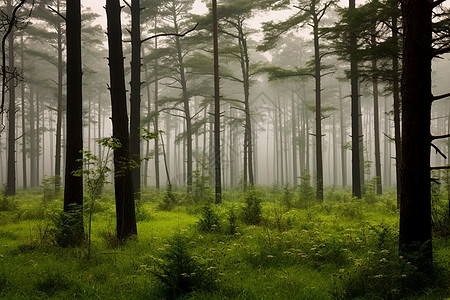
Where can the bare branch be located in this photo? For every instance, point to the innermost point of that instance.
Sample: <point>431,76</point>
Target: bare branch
<point>170,34</point>
<point>437,137</point>
<point>438,151</point>
<point>57,12</point>
<point>440,167</point>
<point>439,97</point>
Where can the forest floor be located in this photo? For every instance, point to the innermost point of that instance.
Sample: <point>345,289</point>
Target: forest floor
<point>264,244</point>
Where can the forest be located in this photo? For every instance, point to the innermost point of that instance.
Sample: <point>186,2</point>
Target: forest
<point>225,149</point>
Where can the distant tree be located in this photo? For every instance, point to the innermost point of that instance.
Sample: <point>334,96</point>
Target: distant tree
<point>123,184</point>
<point>310,13</point>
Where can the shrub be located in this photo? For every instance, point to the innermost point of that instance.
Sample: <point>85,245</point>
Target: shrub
<point>178,272</point>
<point>232,222</point>
<point>169,200</point>
<point>209,220</point>
<point>287,196</point>
<point>252,212</point>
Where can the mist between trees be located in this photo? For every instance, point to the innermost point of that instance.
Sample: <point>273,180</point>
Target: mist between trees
<point>323,108</point>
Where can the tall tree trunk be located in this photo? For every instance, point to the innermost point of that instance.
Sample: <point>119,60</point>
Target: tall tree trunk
<point>59,107</point>
<point>376,124</point>
<point>135,100</point>
<point>156,125</point>
<point>24,132</point>
<point>397,108</point>
<point>387,146</point>
<point>217,165</point>
<point>415,206</point>
<point>355,112</point>
<point>11,180</point>
<point>317,77</point>
<point>73,191</point>
<point>123,184</point>
<point>343,139</point>
<point>294,141</point>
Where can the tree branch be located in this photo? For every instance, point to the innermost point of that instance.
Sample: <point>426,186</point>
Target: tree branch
<point>439,97</point>
<point>170,34</point>
<point>438,151</point>
<point>56,12</point>
<point>437,137</point>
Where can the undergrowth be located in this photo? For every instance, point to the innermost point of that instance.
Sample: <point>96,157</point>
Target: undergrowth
<point>271,244</point>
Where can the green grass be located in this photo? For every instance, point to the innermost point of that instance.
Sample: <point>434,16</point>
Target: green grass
<point>340,249</point>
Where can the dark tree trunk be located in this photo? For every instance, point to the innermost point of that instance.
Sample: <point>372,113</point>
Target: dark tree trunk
<point>157,176</point>
<point>415,205</point>
<point>73,191</point>
<point>376,124</point>
<point>355,111</point>
<point>11,180</point>
<point>135,101</point>
<point>123,184</point>
<point>317,77</point>
<point>397,109</point>
<point>217,165</point>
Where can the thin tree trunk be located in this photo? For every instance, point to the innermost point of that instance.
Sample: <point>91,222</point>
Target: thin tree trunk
<point>355,112</point>
<point>217,165</point>
<point>59,106</point>
<point>376,124</point>
<point>11,180</point>
<point>135,100</point>
<point>24,132</point>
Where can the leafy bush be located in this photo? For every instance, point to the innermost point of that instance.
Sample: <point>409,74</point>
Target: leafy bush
<point>306,191</point>
<point>169,200</point>
<point>178,272</point>
<point>287,196</point>
<point>232,222</point>
<point>350,210</point>
<point>209,220</point>
<point>252,211</point>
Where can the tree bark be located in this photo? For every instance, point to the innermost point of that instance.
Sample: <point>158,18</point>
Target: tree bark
<point>73,191</point>
<point>11,180</point>
<point>217,158</point>
<point>355,112</point>
<point>135,100</point>
<point>123,184</point>
<point>59,107</point>
<point>415,200</point>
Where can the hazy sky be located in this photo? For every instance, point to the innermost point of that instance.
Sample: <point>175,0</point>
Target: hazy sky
<point>98,7</point>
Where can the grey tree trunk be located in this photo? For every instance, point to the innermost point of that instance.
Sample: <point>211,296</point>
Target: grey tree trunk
<point>135,99</point>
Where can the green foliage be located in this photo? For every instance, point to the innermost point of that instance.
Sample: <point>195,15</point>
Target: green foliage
<point>232,219</point>
<point>51,282</point>
<point>209,220</point>
<point>177,270</point>
<point>287,196</point>
<point>306,191</point>
<point>201,189</point>
<point>252,211</point>
<point>8,203</point>
<point>169,199</point>
<point>69,226</point>
<point>49,184</point>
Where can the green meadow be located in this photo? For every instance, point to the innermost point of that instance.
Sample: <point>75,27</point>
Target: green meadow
<point>268,243</point>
